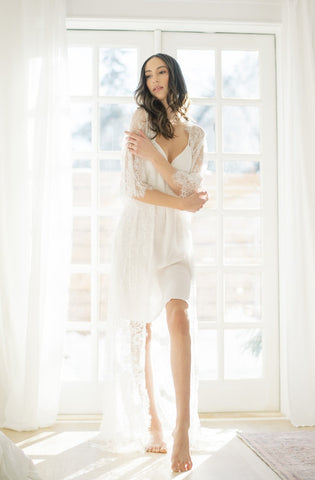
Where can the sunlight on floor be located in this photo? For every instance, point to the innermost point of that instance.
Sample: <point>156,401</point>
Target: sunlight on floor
<point>70,455</point>
<point>67,451</point>
<point>114,473</point>
<point>55,444</point>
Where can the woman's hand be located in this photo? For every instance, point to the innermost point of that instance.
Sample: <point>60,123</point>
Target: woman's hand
<point>139,144</point>
<point>194,202</point>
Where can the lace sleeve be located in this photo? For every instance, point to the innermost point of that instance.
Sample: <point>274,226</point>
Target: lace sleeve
<point>190,181</point>
<point>133,174</point>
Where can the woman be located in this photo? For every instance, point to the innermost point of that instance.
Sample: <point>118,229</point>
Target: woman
<point>152,263</point>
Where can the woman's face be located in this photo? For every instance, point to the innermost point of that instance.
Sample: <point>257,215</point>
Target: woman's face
<point>157,75</point>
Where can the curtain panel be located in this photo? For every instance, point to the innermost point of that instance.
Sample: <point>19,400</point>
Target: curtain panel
<point>35,210</point>
<point>297,211</point>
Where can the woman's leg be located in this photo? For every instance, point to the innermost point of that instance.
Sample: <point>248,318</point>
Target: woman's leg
<point>178,325</point>
<point>156,444</point>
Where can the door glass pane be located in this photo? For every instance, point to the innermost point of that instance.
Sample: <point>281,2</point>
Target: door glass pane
<point>198,67</point>
<point>204,116</point>
<point>77,360</point>
<point>80,298</point>
<point>243,353</point>
<point>80,62</point>
<point>206,283</point>
<point>109,186</point>
<point>240,74</point>
<point>207,354</point>
<point>242,240</point>
<point>118,71</point>
<point>241,132</point>
<point>81,240</point>
<point>81,163</point>
<point>81,127</point>
<point>204,233</point>
<point>242,297</point>
<point>241,185</point>
<point>81,185</point>
<point>114,120</point>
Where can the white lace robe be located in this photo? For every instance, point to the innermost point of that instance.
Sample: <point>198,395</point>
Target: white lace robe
<point>137,294</point>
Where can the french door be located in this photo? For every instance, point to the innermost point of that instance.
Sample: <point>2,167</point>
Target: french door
<point>231,81</point>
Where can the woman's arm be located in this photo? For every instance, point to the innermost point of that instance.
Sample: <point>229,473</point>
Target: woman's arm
<point>133,176</point>
<point>139,144</point>
<point>182,183</point>
<point>192,203</point>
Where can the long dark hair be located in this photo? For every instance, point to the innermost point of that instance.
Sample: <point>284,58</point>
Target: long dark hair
<point>177,97</point>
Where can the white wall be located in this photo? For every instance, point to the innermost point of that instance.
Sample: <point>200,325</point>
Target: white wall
<point>220,10</point>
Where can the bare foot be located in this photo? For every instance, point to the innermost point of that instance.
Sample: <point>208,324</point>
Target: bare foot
<point>181,461</point>
<point>156,443</point>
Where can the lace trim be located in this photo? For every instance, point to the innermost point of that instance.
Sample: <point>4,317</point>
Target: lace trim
<point>133,172</point>
<point>133,184</point>
<point>189,182</point>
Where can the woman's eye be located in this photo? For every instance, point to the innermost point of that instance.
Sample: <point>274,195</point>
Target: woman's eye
<point>148,76</point>
<point>162,71</point>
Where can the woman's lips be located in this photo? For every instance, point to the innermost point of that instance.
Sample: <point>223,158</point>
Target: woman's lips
<point>157,89</point>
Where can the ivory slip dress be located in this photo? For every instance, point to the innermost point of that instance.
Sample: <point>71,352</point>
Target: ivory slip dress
<point>152,263</point>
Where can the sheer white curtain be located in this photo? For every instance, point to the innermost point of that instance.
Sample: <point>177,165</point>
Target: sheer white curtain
<point>297,211</point>
<point>35,210</point>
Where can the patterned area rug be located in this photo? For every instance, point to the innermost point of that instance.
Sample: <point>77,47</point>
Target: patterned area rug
<point>290,454</point>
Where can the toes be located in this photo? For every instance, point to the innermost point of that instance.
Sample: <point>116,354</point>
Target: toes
<point>176,467</point>
<point>163,448</point>
<point>150,449</point>
<point>156,449</point>
<point>181,466</point>
<point>188,466</point>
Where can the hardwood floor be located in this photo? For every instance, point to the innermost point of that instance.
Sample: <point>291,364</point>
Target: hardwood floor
<point>64,452</point>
